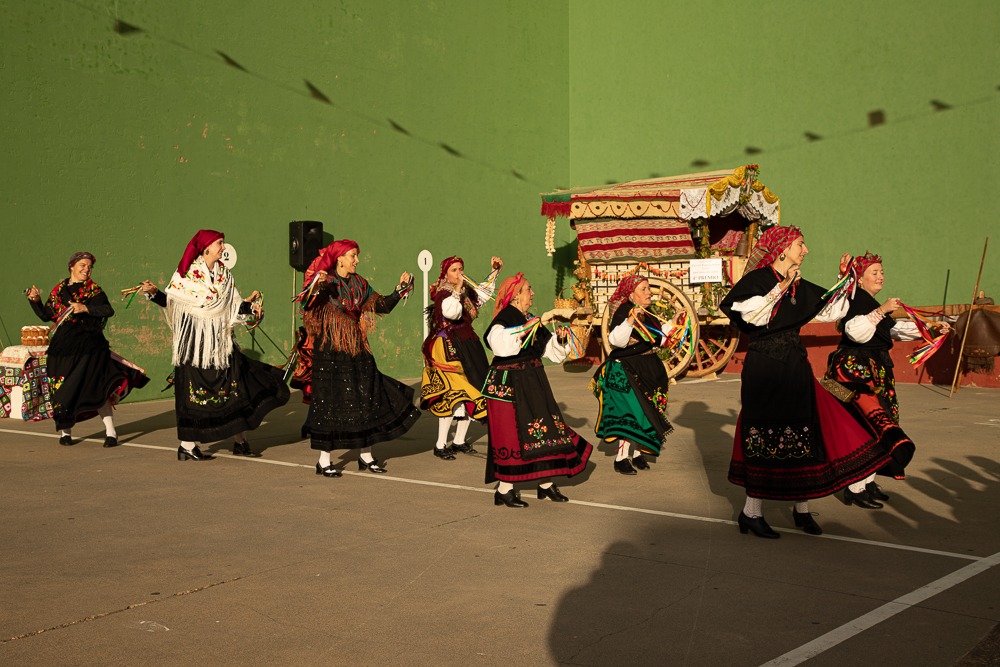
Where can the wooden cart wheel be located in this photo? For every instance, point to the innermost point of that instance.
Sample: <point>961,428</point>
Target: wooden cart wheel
<point>716,346</point>
<point>668,299</point>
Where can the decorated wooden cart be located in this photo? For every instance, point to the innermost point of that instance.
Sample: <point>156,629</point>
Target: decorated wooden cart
<point>689,234</point>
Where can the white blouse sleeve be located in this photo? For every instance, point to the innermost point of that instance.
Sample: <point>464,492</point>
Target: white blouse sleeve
<point>905,330</point>
<point>861,328</point>
<point>451,307</point>
<point>502,342</point>
<point>621,334</point>
<point>757,309</point>
<point>834,310</point>
<point>556,351</point>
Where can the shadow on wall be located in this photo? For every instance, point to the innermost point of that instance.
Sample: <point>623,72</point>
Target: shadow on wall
<point>563,261</point>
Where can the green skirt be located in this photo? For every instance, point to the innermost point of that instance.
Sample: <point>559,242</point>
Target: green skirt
<point>633,402</point>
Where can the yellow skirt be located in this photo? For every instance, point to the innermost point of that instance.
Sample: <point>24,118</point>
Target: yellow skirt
<point>444,387</point>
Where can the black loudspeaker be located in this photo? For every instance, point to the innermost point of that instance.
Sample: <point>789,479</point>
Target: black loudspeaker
<point>305,239</point>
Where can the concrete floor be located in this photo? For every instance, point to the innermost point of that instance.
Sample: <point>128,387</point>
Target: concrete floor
<point>127,557</point>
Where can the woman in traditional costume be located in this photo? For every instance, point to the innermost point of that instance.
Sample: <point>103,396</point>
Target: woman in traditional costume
<point>455,363</point>
<point>218,391</point>
<point>86,378</point>
<point>794,441</point>
<point>353,404</point>
<point>862,364</point>
<point>631,385</point>
<point>528,437</point>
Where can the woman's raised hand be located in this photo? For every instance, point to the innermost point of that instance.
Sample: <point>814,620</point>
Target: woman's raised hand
<point>845,262</point>
<point>33,294</point>
<point>889,305</point>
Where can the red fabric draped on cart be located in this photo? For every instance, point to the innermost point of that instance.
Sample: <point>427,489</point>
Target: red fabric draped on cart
<point>645,238</point>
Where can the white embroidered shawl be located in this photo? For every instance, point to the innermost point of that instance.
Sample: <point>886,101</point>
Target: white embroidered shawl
<point>202,307</point>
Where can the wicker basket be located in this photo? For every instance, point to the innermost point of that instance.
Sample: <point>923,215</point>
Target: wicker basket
<point>581,331</point>
<point>561,302</point>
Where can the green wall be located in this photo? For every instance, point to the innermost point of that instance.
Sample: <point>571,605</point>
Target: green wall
<point>656,86</point>
<point>127,144</point>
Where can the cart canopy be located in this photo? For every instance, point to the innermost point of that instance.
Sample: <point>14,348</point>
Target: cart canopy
<point>653,218</point>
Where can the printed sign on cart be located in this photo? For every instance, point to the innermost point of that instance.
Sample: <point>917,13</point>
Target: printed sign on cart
<point>705,271</point>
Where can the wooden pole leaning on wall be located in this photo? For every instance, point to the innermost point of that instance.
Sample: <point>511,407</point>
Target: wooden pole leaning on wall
<point>955,380</point>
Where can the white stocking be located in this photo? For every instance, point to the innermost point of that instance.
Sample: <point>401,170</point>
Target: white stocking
<point>504,488</point>
<point>752,508</point>
<point>444,423</point>
<point>857,487</point>
<point>188,445</point>
<point>324,459</point>
<point>802,507</point>
<point>105,413</point>
<point>622,451</point>
<point>367,456</point>
<point>461,429</point>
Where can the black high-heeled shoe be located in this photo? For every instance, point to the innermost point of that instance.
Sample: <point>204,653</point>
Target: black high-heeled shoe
<point>806,522</point>
<point>374,466</point>
<point>444,453</point>
<point>875,491</point>
<point>462,448</point>
<point>861,500</point>
<point>66,441</point>
<point>243,449</point>
<point>553,494</point>
<point>509,499</point>
<point>640,462</point>
<point>195,454</point>
<point>757,526</point>
<point>624,467</point>
<point>328,471</point>
<point>110,441</point>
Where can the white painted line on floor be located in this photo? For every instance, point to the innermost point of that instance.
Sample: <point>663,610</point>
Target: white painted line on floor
<point>886,611</point>
<point>587,503</point>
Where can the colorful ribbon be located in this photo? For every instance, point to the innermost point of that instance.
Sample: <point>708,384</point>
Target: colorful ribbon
<point>253,321</point>
<point>306,294</point>
<point>932,343</point>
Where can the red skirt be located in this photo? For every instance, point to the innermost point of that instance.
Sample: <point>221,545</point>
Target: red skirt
<point>503,459</point>
<point>849,454</point>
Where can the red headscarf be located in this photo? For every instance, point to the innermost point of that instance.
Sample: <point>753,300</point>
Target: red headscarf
<point>328,258</point>
<point>507,291</point>
<point>771,244</point>
<point>196,246</point>
<point>861,263</point>
<point>442,277</point>
<point>625,288</point>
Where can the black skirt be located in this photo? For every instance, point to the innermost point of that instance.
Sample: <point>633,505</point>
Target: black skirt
<point>214,404</point>
<point>354,405</point>
<point>84,376</point>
